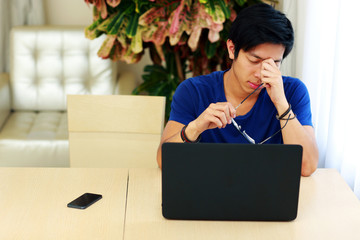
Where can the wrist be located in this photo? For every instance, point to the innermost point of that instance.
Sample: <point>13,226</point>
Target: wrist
<point>185,138</point>
<point>282,107</point>
<point>285,114</point>
<point>192,133</point>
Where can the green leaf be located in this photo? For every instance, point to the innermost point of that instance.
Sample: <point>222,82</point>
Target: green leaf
<point>104,25</point>
<point>112,23</point>
<point>132,26</point>
<point>218,16</point>
<point>224,8</point>
<point>146,77</point>
<point>126,9</point>
<point>92,31</point>
<point>136,43</point>
<point>210,49</point>
<point>240,2</point>
<point>154,68</point>
<point>212,6</point>
<point>159,90</point>
<point>115,28</point>
<point>95,24</point>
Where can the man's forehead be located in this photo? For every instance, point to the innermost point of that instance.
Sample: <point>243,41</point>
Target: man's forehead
<point>267,50</point>
<point>256,55</point>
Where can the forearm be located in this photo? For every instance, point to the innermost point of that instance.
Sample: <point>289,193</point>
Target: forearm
<point>174,138</point>
<point>295,133</point>
<point>174,131</point>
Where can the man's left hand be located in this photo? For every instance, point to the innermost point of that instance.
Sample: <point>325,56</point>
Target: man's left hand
<point>272,79</point>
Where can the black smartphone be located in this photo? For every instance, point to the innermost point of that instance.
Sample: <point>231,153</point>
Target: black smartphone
<point>84,200</point>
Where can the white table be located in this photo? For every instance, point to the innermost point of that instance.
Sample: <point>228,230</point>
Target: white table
<point>33,203</point>
<point>328,209</point>
<point>33,206</point>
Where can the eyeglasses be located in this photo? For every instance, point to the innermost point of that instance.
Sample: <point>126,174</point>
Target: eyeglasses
<point>250,139</point>
<point>244,134</point>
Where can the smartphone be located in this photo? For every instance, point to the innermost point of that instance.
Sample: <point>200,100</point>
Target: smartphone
<point>84,200</point>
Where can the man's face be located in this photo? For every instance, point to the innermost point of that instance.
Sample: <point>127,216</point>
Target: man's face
<point>247,65</point>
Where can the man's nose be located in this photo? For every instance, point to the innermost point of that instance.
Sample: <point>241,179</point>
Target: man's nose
<point>257,73</point>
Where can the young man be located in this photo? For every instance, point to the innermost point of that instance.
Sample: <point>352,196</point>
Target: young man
<point>252,101</point>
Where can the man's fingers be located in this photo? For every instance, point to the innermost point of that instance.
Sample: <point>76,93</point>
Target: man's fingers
<point>216,115</point>
<point>221,116</point>
<point>268,74</point>
<point>226,108</point>
<point>271,62</point>
<point>216,121</point>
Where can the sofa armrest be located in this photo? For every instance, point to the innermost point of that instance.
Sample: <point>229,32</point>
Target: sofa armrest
<point>4,98</point>
<point>125,84</point>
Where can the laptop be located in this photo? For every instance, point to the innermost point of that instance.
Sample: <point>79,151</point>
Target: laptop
<point>225,181</point>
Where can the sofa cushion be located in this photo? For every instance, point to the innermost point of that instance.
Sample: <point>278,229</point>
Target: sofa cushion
<point>47,64</point>
<point>35,139</point>
<point>36,126</point>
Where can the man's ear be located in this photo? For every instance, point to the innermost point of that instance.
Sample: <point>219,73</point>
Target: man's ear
<point>231,49</point>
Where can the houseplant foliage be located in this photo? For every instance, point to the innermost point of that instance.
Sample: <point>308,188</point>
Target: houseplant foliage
<point>183,37</point>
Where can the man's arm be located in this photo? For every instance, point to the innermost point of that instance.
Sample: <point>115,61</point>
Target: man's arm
<point>294,132</point>
<point>216,115</point>
<point>171,133</point>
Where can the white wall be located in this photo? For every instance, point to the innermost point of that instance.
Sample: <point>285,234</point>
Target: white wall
<point>77,12</point>
<point>67,12</point>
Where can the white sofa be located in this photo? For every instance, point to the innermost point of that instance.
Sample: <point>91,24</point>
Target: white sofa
<point>47,64</point>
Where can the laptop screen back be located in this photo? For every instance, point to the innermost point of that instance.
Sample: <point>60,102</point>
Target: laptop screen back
<point>220,181</point>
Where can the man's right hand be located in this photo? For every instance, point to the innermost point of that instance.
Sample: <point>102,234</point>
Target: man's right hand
<point>217,115</point>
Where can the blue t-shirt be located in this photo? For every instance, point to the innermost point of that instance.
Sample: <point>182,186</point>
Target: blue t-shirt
<point>195,94</point>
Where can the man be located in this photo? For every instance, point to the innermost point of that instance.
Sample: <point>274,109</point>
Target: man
<point>251,102</point>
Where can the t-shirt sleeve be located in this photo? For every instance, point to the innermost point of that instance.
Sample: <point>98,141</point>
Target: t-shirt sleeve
<point>300,103</point>
<point>183,103</point>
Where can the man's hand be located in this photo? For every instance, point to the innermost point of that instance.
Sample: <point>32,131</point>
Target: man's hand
<point>217,115</point>
<point>271,76</point>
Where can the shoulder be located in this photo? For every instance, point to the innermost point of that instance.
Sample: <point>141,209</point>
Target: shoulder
<point>203,82</point>
<point>291,81</point>
<point>294,86</point>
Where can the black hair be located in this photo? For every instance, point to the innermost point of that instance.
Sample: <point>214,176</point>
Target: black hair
<point>258,24</point>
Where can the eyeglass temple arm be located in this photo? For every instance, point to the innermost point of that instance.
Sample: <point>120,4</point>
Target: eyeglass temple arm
<point>247,137</point>
<point>250,140</point>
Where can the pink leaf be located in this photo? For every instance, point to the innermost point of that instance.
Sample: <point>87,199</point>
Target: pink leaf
<point>149,17</point>
<point>160,51</point>
<point>194,38</point>
<point>113,3</point>
<point>88,2</point>
<point>156,34</point>
<point>233,15</point>
<point>175,20</point>
<point>106,47</point>
<point>103,9</point>
<point>213,36</point>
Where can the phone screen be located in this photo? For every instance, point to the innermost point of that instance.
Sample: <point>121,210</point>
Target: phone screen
<point>85,200</point>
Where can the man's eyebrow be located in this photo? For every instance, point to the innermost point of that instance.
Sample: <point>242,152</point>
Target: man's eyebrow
<point>262,59</point>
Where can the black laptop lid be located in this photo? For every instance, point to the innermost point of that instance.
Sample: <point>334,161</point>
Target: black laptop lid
<point>221,181</point>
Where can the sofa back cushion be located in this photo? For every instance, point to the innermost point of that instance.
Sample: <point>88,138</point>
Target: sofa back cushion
<point>47,63</point>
